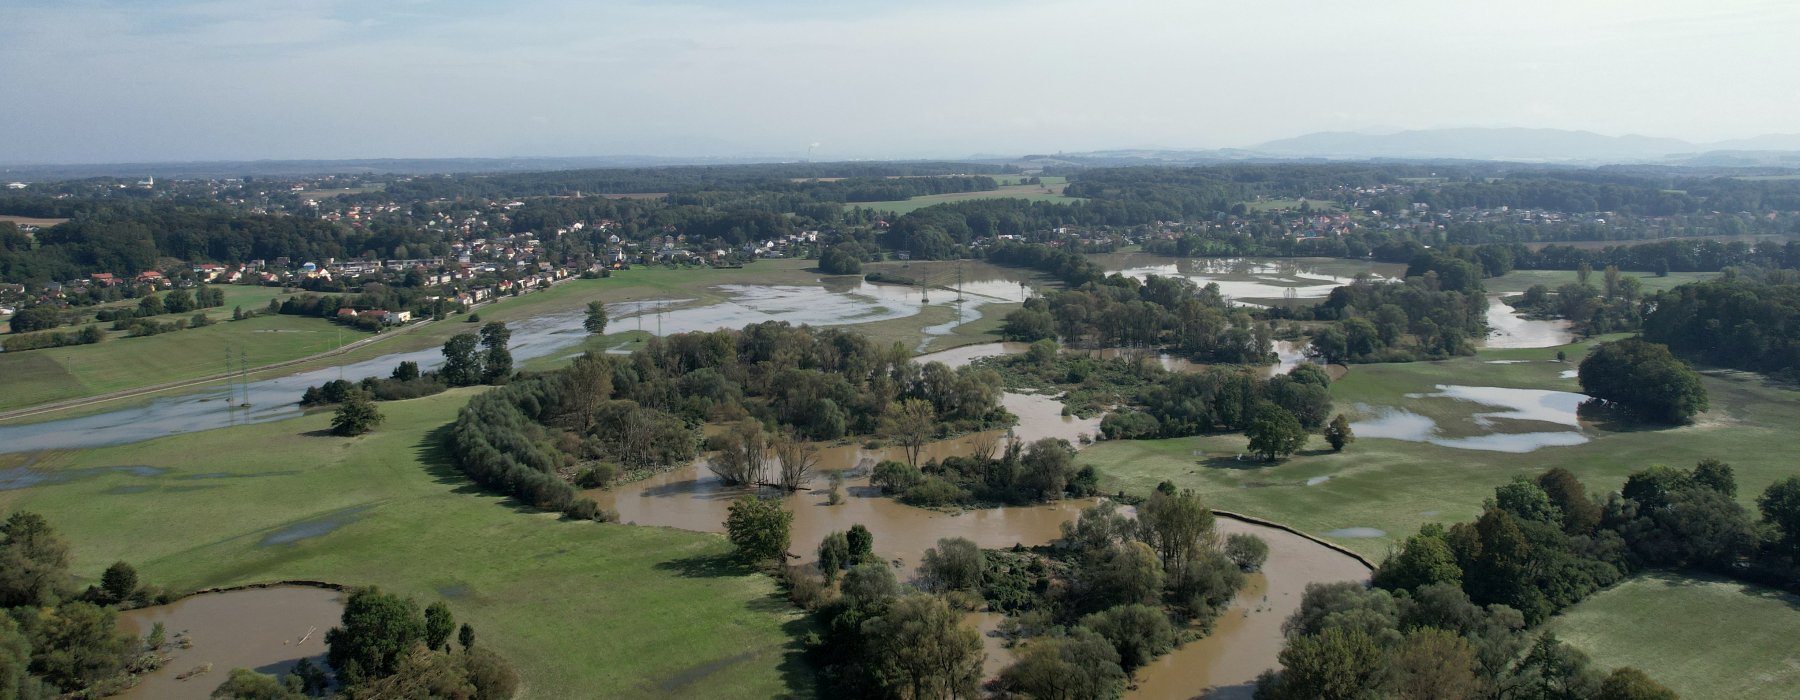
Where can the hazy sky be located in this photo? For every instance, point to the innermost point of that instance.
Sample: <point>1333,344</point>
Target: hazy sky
<point>133,80</point>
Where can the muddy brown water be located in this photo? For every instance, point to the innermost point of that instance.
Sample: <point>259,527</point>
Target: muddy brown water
<point>265,629</point>
<point>1245,642</point>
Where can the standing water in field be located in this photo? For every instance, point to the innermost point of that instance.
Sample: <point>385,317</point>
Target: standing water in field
<point>1519,407</point>
<point>265,629</point>
<point>1507,329</point>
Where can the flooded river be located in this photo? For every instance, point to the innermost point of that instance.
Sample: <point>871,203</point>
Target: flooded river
<point>1506,329</point>
<point>265,629</point>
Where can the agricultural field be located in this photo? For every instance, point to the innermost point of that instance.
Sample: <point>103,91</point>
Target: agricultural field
<point>54,374</point>
<point>1047,192</point>
<point>1707,639</point>
<point>1518,281</point>
<point>1380,489</point>
<point>1289,205</point>
<point>31,221</point>
<point>284,500</point>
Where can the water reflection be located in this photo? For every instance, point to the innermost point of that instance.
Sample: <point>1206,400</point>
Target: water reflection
<point>1254,278</point>
<point>1507,329</point>
<point>1519,406</point>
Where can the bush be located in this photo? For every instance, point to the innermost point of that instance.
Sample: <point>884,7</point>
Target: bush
<point>599,476</point>
<point>934,491</point>
<point>588,509</point>
<point>895,477</point>
<point>1247,551</point>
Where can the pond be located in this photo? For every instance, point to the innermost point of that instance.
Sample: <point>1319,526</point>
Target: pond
<point>1519,408</point>
<point>265,629</point>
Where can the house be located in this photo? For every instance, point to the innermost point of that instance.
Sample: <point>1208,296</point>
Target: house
<point>346,312</point>
<point>104,279</point>
<point>151,277</point>
<point>395,318</point>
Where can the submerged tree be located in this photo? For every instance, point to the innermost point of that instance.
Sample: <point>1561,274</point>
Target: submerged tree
<point>799,458</point>
<point>595,323</point>
<point>742,454</point>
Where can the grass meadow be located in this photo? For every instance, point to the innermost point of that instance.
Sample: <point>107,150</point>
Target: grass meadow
<point>583,609</point>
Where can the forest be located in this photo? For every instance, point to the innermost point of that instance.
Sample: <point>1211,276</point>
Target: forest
<point>1451,613</point>
<point>601,415</point>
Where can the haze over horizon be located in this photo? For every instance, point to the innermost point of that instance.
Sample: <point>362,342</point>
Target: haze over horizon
<point>190,80</point>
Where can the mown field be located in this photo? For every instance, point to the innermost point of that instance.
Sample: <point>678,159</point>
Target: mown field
<point>583,609</point>
<point>1047,192</point>
<point>1705,638</point>
<point>1520,280</point>
<point>1395,486</point>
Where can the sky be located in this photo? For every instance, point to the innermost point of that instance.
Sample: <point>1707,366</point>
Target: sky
<point>106,81</point>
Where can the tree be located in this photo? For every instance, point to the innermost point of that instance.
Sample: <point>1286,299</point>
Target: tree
<point>406,371</point>
<point>1525,500</point>
<point>955,564</point>
<point>1716,475</point>
<point>466,636</point>
<point>119,581</point>
<point>1275,433</point>
<point>357,415</point>
<point>376,630</point>
<point>15,661</point>
<point>179,301</point>
<point>921,650</point>
<point>1645,379</point>
<point>150,305</point>
<point>1123,575</point>
<point>1177,526</point>
<point>1780,506</point>
<point>34,561</point>
<point>837,260</point>
<point>1046,468</point>
<point>1627,683</point>
<point>869,585</point>
<point>1339,433</point>
<point>1551,670</point>
<point>1335,664</point>
<point>1423,560</point>
<point>862,543</point>
<point>595,323</point>
<point>37,317</point>
<point>246,684</point>
<point>497,362</point>
<point>799,458</point>
<point>1247,551</point>
<point>913,424</point>
<point>742,453</point>
<point>439,625</point>
<point>1140,633</point>
<point>1080,666</point>
<point>834,555</point>
<point>1433,664</point>
<point>1580,512</point>
<point>758,528</point>
<point>462,367</point>
<point>79,644</point>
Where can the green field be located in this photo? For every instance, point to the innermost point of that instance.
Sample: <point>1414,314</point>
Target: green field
<point>583,609</point>
<point>1288,205</point>
<point>1704,638</point>
<point>1047,192</point>
<point>1519,280</point>
<point>1396,486</point>
<point>40,376</point>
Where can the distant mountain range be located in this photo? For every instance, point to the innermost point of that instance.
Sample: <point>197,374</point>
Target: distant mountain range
<point>1510,144</point>
<point>1543,146</point>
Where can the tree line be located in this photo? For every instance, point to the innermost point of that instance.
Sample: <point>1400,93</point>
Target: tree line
<point>1451,611</point>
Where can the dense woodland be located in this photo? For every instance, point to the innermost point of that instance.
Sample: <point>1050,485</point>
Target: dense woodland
<point>538,434</point>
<point>1450,613</point>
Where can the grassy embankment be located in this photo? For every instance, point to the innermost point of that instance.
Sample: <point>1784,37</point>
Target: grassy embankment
<point>1707,639</point>
<point>583,609</point>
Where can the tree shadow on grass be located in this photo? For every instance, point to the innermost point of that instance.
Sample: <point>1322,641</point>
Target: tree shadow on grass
<point>1247,463</point>
<point>722,565</point>
<point>433,452</point>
